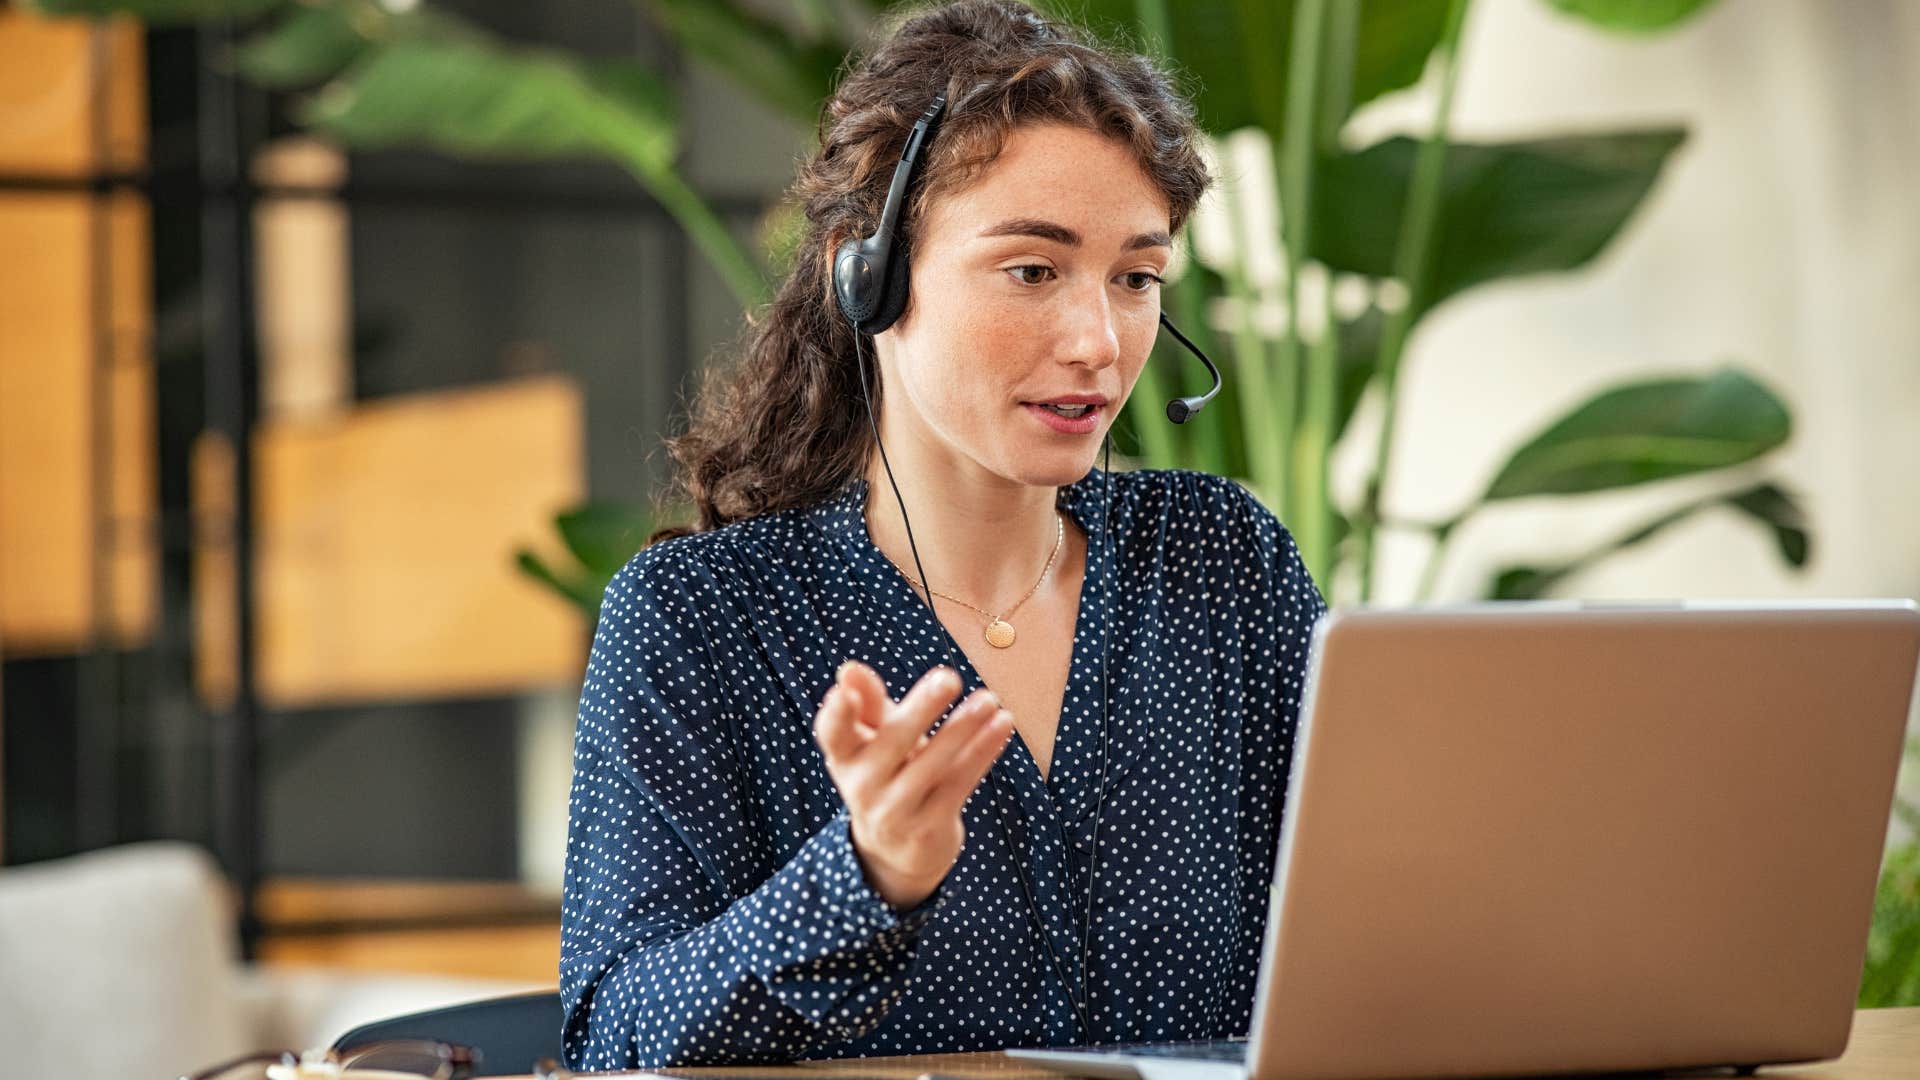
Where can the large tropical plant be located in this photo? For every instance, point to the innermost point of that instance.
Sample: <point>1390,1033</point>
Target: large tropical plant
<point>1405,225</point>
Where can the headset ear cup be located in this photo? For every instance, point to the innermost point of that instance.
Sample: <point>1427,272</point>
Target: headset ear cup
<point>889,304</point>
<point>894,303</point>
<point>853,282</point>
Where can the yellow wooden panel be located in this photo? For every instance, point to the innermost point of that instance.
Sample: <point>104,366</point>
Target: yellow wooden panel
<point>48,68</point>
<point>73,102</point>
<point>48,351</point>
<point>529,953</point>
<point>126,120</point>
<point>210,495</point>
<point>46,458</point>
<point>302,252</point>
<point>488,929</point>
<point>294,904</point>
<point>385,548</point>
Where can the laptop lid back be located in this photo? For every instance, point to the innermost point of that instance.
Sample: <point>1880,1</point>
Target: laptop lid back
<point>1526,838</point>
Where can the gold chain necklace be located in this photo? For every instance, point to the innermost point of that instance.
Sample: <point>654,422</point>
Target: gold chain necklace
<point>999,632</point>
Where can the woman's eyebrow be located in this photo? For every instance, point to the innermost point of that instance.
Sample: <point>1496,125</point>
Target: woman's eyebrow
<point>1060,234</point>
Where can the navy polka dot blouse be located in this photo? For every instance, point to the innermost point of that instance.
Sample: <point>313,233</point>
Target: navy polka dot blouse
<point>715,911</point>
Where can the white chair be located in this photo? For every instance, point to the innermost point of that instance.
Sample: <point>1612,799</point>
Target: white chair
<point>122,962</point>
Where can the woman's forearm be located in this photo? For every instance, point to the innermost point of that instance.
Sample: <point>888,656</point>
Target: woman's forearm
<point>811,958</point>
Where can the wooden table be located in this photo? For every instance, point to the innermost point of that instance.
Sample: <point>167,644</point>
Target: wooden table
<point>1885,1045</point>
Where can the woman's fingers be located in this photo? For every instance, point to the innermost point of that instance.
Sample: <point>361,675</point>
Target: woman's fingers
<point>870,693</point>
<point>935,758</point>
<point>970,764</point>
<point>905,722</point>
<point>835,726</point>
<point>885,752</point>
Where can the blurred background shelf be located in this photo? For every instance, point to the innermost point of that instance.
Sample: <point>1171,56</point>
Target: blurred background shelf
<point>477,929</point>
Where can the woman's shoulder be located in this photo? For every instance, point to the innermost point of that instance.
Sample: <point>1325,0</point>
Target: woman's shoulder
<point>1185,500</point>
<point>721,560</point>
<point>1195,512</point>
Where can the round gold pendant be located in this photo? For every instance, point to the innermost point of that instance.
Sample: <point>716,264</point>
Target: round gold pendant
<point>999,633</point>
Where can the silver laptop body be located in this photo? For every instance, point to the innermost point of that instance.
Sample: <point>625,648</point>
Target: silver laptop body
<point>1553,837</point>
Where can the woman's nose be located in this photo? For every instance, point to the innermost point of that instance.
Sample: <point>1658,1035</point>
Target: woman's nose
<point>1090,336</point>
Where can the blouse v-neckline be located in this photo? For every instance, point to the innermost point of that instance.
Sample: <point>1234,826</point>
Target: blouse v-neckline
<point>1066,785</point>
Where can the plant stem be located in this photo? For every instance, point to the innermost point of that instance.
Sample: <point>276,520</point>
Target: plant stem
<point>1410,266</point>
<point>1157,444</point>
<point>1215,455</point>
<point>1313,527</point>
<point>1268,431</point>
<point>1293,166</point>
<point>1267,410</point>
<point>1313,133</point>
<point>1336,96</point>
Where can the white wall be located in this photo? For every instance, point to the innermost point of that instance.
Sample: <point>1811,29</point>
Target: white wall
<point>1785,235</point>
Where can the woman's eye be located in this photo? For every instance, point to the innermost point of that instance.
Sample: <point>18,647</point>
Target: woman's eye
<point>1038,274</point>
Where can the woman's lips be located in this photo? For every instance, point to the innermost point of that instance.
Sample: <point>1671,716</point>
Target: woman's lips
<point>1083,425</point>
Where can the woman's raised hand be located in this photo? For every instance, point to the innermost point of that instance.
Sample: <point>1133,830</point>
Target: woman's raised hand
<point>904,787</point>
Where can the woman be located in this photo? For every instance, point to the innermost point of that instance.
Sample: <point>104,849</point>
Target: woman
<point>779,848</point>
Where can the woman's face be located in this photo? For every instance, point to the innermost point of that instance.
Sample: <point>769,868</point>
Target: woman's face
<point>1038,282</point>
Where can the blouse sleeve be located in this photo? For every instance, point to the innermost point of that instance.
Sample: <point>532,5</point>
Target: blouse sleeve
<point>685,938</point>
<point>1286,600</point>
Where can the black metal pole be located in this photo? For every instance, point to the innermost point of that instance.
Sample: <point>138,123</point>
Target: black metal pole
<point>231,373</point>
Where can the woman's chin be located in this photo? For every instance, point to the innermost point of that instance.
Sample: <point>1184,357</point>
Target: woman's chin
<point>1052,468</point>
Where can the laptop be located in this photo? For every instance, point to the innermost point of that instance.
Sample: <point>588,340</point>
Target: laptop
<point>1525,838</point>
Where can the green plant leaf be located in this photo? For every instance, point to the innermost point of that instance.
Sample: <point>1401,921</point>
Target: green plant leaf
<point>757,53</point>
<point>1542,206</point>
<point>580,591</point>
<point>1232,54</point>
<point>604,535</point>
<point>454,90</point>
<point>1648,431</point>
<point>308,46</point>
<point>1342,528</point>
<point>158,12</point>
<point>1778,510</point>
<point>1631,16</point>
<point>1766,503</point>
<point>1890,975</point>
<point>472,97</point>
<point>1524,582</point>
<point>1396,38</point>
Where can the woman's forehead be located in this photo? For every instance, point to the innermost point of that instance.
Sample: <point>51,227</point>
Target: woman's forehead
<point>1087,183</point>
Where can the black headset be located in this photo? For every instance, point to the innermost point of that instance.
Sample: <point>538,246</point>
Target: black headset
<point>872,294</point>
<point>872,290</point>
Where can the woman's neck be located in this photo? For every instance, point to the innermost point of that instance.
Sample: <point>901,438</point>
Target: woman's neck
<point>981,537</point>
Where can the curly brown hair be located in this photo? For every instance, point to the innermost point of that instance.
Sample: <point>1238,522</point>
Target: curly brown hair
<point>783,427</point>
